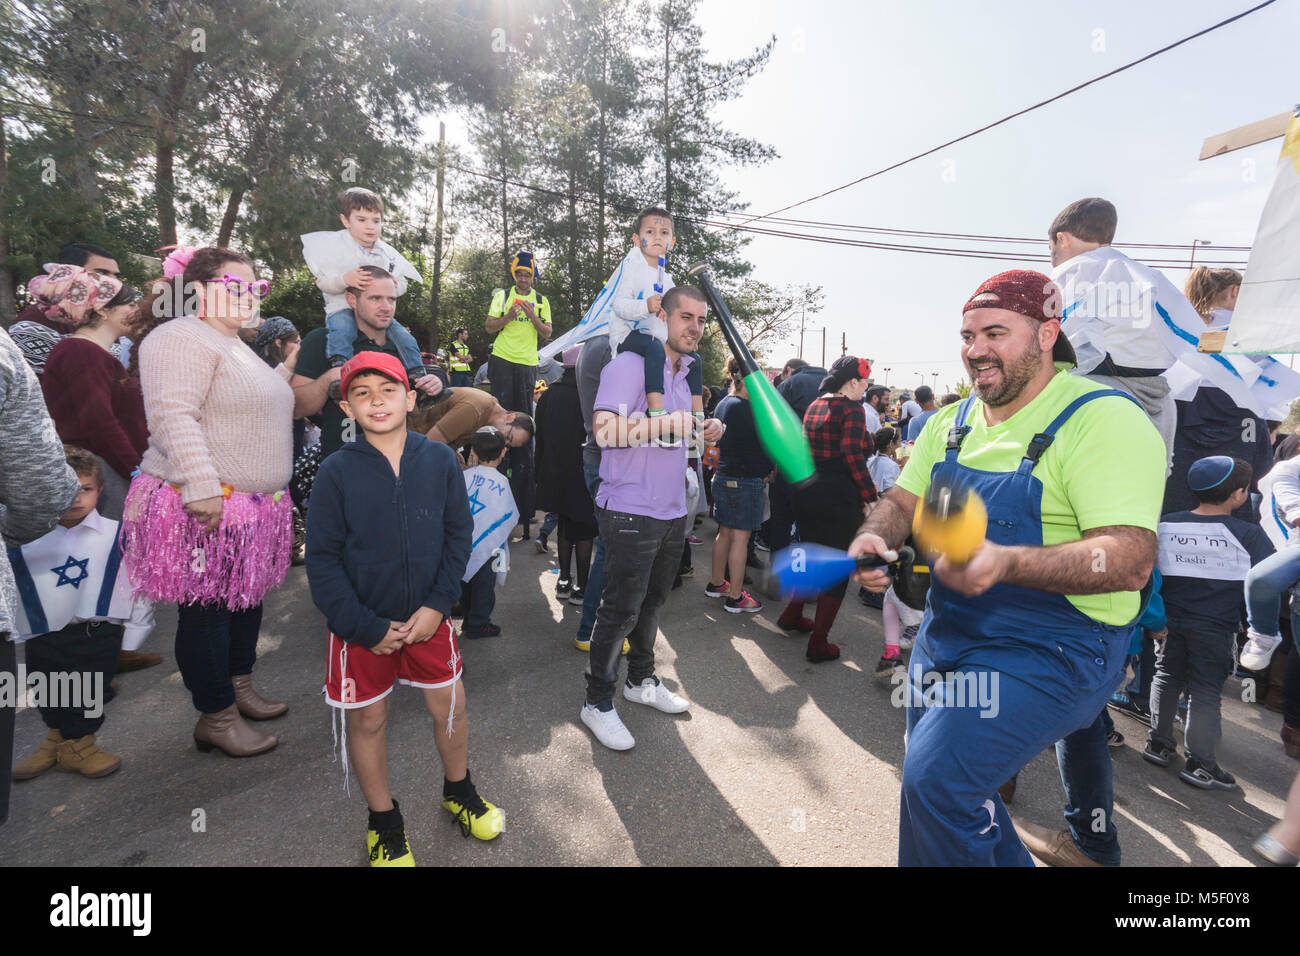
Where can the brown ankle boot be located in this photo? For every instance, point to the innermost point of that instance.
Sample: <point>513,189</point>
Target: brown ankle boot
<point>228,731</point>
<point>1290,739</point>
<point>251,704</point>
<point>83,757</point>
<point>45,757</point>
<point>136,660</point>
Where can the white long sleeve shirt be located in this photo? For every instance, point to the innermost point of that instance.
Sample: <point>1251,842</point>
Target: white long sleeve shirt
<point>1279,506</point>
<point>633,283</point>
<point>330,255</point>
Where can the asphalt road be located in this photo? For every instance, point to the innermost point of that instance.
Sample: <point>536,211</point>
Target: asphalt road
<point>778,761</point>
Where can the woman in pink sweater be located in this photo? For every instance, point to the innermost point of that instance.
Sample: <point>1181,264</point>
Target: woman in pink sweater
<point>208,522</point>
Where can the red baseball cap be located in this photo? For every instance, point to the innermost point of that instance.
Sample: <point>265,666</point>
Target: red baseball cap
<point>1027,293</point>
<point>390,366</point>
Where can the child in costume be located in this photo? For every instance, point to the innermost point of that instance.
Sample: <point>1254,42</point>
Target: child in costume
<point>495,515</point>
<point>388,536</point>
<point>76,611</point>
<point>634,296</point>
<point>334,258</point>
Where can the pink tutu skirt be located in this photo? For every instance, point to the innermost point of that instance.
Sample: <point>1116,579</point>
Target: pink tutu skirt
<point>172,559</point>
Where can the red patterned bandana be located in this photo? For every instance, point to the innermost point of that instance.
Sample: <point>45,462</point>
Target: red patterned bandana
<point>1026,293</point>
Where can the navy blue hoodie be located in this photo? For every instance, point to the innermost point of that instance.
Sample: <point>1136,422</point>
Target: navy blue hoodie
<point>380,546</point>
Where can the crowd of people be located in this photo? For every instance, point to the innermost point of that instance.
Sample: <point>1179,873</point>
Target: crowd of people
<point>185,450</point>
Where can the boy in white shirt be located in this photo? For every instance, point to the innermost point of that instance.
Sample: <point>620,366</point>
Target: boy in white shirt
<point>76,611</point>
<point>636,290</point>
<point>335,259</point>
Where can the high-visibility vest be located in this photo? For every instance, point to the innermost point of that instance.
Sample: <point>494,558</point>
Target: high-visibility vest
<point>459,357</point>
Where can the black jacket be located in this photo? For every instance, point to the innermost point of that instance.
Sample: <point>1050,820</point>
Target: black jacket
<point>800,389</point>
<point>380,546</point>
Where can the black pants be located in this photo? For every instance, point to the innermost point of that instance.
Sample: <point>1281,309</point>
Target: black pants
<point>212,644</point>
<point>87,654</point>
<point>512,386</point>
<point>478,597</point>
<point>781,524</point>
<point>642,556</point>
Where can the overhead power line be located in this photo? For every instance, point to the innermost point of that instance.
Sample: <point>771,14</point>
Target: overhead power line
<point>1018,113</point>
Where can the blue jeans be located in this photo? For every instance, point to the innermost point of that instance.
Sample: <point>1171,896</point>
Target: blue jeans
<point>596,576</point>
<point>212,644</point>
<point>1088,776</point>
<point>548,524</point>
<point>652,350</point>
<point>462,379</point>
<point>341,332</point>
<point>1265,585</point>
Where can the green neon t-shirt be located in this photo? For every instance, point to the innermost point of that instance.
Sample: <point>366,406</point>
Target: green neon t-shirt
<point>517,340</point>
<point>1106,467</point>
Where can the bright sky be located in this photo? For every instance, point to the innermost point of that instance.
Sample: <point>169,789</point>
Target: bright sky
<point>853,87</point>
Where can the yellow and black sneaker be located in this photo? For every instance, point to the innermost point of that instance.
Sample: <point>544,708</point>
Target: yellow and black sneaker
<point>475,815</point>
<point>386,839</point>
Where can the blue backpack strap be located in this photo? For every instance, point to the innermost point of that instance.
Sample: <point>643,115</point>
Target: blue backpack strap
<point>1040,442</point>
<point>959,430</point>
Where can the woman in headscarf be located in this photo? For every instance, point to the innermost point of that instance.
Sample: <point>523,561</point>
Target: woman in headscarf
<point>94,402</point>
<point>835,507</point>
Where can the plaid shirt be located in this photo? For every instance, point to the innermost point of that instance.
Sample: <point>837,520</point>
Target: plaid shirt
<point>837,431</point>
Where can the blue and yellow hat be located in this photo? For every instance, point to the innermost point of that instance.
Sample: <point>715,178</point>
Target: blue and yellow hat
<point>523,260</point>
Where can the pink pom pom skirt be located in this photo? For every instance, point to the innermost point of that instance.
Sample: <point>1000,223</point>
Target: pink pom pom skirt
<point>172,559</point>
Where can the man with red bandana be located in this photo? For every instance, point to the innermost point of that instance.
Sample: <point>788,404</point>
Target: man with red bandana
<point>1021,646</point>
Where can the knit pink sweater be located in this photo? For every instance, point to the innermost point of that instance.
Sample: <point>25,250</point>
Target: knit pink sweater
<point>217,413</point>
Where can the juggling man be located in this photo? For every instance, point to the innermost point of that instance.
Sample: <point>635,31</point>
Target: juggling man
<point>1022,644</point>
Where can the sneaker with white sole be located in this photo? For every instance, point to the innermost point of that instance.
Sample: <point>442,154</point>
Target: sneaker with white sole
<point>608,727</point>
<point>653,693</point>
<point>1258,650</point>
<point>742,605</point>
<point>717,591</point>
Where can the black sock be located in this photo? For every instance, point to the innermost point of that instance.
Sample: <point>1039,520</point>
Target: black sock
<point>383,820</point>
<point>459,788</point>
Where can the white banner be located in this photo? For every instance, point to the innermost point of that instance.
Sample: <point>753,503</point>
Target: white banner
<point>1268,307</point>
<point>1190,549</point>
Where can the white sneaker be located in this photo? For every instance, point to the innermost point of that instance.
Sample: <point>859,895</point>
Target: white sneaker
<point>607,727</point>
<point>652,692</point>
<point>1258,650</point>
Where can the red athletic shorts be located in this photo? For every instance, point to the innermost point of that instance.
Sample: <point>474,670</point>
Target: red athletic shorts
<point>356,676</point>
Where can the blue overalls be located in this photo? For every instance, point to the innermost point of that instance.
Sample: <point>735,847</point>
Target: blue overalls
<point>995,679</point>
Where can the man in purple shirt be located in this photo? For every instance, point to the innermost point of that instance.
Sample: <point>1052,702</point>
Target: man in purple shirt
<point>641,511</point>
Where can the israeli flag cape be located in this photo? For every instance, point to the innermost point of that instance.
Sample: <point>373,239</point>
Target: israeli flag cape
<point>596,319</point>
<point>1106,284</point>
<point>493,508</point>
<point>73,574</point>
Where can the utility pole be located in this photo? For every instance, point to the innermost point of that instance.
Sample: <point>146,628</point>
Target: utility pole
<point>823,348</point>
<point>436,288</point>
<point>844,344</point>
<point>934,380</point>
<point>886,376</point>
<point>7,303</point>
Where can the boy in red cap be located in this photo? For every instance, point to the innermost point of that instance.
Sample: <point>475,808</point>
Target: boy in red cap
<point>388,537</point>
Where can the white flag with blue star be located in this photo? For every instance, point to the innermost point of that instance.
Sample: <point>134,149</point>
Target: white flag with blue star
<point>492,505</point>
<point>73,574</point>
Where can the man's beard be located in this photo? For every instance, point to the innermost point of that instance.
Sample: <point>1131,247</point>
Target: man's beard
<point>368,326</point>
<point>1014,376</point>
